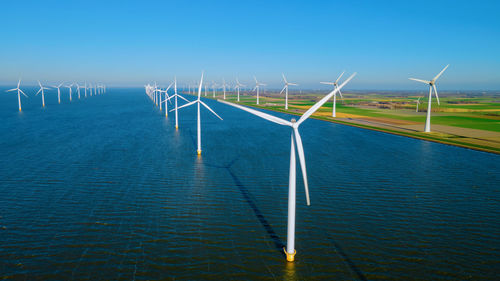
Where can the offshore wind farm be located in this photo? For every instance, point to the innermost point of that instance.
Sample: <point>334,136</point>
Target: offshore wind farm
<point>248,160</point>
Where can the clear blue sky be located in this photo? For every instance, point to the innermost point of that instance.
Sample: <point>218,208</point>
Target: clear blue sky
<point>130,43</point>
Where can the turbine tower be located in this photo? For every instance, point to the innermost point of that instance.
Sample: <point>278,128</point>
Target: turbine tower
<point>432,85</point>
<point>257,86</point>
<point>335,85</point>
<point>286,89</point>
<point>200,102</point>
<point>296,141</point>
<point>19,92</point>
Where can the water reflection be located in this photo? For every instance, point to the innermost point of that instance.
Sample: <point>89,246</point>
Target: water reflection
<point>290,273</point>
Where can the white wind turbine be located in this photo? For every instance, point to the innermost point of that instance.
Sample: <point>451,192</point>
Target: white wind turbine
<point>432,85</point>
<point>418,103</point>
<point>43,94</point>
<point>175,102</point>
<point>295,139</point>
<point>257,87</point>
<point>238,86</point>
<point>214,85</point>
<point>285,88</point>
<point>69,87</point>
<point>224,87</point>
<point>19,92</point>
<point>199,101</point>
<point>166,98</point>
<point>335,85</point>
<point>58,91</point>
<point>85,88</point>
<point>78,89</point>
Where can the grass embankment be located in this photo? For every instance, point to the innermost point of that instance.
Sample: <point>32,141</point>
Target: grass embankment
<point>481,114</point>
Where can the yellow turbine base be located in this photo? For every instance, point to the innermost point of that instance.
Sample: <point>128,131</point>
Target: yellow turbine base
<point>199,152</point>
<point>290,257</point>
<point>176,127</point>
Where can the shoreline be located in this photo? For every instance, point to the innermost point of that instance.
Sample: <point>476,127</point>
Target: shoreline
<point>383,130</point>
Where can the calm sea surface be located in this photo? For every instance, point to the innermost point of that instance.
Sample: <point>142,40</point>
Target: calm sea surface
<point>105,188</point>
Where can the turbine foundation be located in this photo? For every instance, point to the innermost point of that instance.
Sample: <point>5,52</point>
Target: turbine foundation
<point>290,257</point>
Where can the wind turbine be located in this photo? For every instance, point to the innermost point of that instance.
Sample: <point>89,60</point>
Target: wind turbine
<point>19,92</point>
<point>257,86</point>
<point>85,88</point>
<point>175,102</point>
<point>418,102</point>
<point>224,87</point>
<point>69,90</point>
<point>58,91</point>
<point>214,85</point>
<point>295,139</point>
<point>286,89</point>
<point>199,101</point>
<point>41,90</point>
<point>78,90</point>
<point>432,85</point>
<point>166,98</point>
<point>238,86</point>
<point>335,85</point>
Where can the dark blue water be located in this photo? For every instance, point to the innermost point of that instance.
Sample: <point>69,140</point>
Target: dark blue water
<point>104,188</point>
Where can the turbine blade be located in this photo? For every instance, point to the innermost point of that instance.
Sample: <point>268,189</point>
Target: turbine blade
<point>199,88</point>
<point>186,105</point>
<point>260,114</point>
<point>437,76</point>
<point>23,93</point>
<point>436,92</point>
<point>11,90</point>
<point>327,83</point>
<point>38,92</point>
<point>302,159</point>
<point>19,83</point>
<point>420,80</point>
<point>315,107</point>
<point>284,79</point>
<point>293,84</point>
<point>254,89</point>
<point>182,98</point>
<point>282,90</point>
<point>169,87</point>
<point>337,81</point>
<point>208,107</point>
